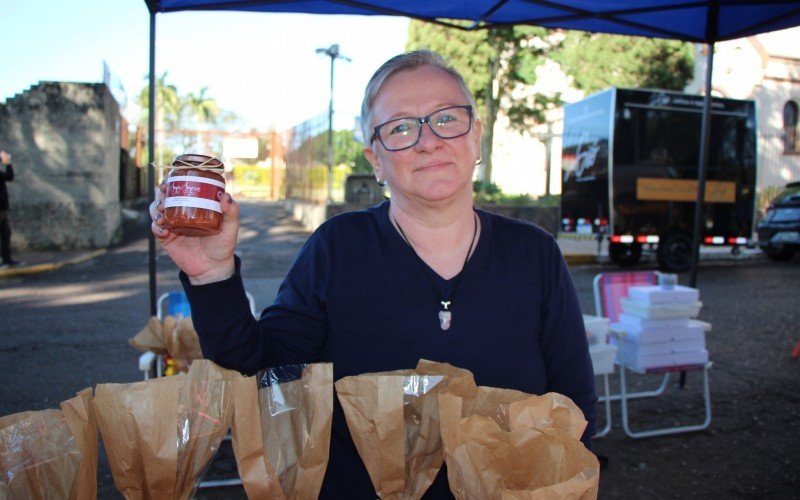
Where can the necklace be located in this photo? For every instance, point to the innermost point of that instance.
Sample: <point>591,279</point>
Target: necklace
<point>446,314</point>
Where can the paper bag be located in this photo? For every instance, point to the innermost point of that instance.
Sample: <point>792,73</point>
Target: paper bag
<point>181,339</point>
<point>393,418</point>
<point>150,338</point>
<point>161,434</point>
<point>282,429</point>
<point>50,453</point>
<point>175,336</point>
<point>505,444</point>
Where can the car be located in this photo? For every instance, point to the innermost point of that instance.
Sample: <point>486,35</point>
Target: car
<point>779,232</point>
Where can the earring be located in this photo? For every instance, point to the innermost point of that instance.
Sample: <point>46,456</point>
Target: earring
<point>478,161</point>
<point>380,181</point>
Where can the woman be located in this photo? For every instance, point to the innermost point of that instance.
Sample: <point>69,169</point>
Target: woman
<point>423,276</point>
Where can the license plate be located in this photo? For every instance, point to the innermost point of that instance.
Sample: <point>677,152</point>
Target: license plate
<point>786,237</point>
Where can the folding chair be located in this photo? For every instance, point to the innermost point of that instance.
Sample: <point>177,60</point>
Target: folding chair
<point>609,290</point>
<point>173,304</point>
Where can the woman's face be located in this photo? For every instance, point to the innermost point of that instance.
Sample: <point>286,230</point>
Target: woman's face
<point>434,169</point>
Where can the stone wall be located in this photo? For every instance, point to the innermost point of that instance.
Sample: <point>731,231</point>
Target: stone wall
<point>65,144</point>
<point>312,215</point>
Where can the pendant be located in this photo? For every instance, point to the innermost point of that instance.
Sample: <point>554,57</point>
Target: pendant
<point>445,316</point>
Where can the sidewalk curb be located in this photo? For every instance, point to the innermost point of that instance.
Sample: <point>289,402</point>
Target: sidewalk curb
<point>581,259</point>
<point>49,266</point>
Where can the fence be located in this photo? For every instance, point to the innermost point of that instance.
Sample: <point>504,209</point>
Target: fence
<point>307,160</point>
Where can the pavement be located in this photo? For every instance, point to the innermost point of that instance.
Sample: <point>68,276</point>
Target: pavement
<point>576,251</point>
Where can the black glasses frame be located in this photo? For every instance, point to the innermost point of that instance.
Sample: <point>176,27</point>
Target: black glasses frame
<point>421,120</point>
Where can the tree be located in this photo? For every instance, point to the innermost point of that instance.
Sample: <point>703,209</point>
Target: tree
<point>176,111</point>
<point>169,106</point>
<point>168,109</point>
<point>346,150</point>
<point>596,61</point>
<point>500,68</point>
<point>200,109</point>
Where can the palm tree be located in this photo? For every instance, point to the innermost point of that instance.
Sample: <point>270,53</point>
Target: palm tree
<point>169,109</point>
<point>201,109</point>
<point>200,112</point>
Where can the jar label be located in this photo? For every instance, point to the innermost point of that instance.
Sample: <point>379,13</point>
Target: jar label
<point>194,191</point>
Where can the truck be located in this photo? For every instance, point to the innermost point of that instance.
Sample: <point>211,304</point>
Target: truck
<point>630,174</point>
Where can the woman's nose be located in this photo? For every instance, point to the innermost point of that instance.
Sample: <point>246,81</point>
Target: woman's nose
<point>427,138</point>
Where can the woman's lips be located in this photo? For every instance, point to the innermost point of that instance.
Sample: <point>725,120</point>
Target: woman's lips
<point>432,166</point>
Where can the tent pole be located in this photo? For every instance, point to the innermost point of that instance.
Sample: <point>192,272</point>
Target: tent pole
<point>151,127</point>
<point>705,139</point>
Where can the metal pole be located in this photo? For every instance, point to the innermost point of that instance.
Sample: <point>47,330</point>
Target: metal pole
<point>712,23</point>
<point>705,140</point>
<point>333,55</point>
<point>151,126</point>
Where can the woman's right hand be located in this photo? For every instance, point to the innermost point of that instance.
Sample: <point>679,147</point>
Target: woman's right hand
<point>204,259</point>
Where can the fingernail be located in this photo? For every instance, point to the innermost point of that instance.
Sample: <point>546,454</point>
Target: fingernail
<point>157,217</point>
<point>230,198</point>
<point>161,229</point>
<point>158,203</point>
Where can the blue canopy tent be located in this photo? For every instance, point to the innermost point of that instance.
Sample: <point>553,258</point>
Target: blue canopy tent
<point>699,21</point>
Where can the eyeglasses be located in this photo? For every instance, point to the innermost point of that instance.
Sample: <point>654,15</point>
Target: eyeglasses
<point>403,133</point>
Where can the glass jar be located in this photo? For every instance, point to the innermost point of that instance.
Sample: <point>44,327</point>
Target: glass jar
<point>195,186</point>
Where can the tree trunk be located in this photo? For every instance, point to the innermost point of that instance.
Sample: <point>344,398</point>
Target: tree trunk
<point>491,99</point>
<point>548,155</point>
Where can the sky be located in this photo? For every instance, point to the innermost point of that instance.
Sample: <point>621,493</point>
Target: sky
<point>263,67</point>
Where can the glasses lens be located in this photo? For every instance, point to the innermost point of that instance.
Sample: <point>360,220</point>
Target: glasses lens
<point>399,134</point>
<point>449,123</point>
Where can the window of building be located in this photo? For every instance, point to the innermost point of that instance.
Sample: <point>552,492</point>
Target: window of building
<point>791,138</point>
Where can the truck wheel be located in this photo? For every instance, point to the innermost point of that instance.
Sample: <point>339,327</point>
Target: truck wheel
<point>624,254</point>
<point>675,252</point>
<point>777,254</point>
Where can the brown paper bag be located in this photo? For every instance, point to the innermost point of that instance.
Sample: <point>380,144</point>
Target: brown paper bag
<point>150,338</point>
<point>182,341</point>
<point>393,418</point>
<point>175,336</point>
<point>82,422</point>
<point>282,429</point>
<point>161,434</point>
<point>505,444</point>
<point>50,453</point>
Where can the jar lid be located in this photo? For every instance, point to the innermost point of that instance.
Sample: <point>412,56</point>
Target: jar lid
<point>196,159</point>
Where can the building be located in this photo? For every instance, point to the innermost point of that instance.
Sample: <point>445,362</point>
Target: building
<point>765,68</point>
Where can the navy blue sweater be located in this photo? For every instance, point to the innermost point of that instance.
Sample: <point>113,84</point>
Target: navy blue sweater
<point>356,296</point>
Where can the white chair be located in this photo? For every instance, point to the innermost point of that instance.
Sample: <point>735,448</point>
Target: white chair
<point>609,289</point>
<point>172,304</point>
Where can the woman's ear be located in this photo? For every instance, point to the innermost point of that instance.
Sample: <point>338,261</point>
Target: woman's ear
<point>369,154</point>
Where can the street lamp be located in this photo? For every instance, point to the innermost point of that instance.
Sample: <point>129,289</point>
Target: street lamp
<point>333,53</point>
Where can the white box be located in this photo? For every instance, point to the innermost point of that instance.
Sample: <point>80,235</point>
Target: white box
<point>632,349</point>
<point>671,360</point>
<point>632,333</point>
<point>603,358</point>
<point>631,322</point>
<point>596,329</point>
<point>668,310</point>
<point>655,294</point>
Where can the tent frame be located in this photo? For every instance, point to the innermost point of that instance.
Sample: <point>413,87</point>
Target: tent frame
<point>781,19</point>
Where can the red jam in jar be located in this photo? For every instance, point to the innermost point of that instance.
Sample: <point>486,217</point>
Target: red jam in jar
<point>195,186</point>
